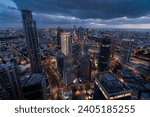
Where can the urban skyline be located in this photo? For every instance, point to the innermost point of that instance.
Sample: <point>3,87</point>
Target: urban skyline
<point>73,61</point>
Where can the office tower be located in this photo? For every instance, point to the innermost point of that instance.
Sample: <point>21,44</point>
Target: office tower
<point>10,80</point>
<point>85,49</point>
<point>68,76</point>
<point>75,53</point>
<point>127,45</point>
<point>104,53</point>
<point>59,31</point>
<point>85,67</point>
<point>32,41</point>
<point>74,31</point>
<point>34,87</point>
<point>113,47</point>
<point>59,38</point>
<point>80,33</point>
<point>65,43</point>
<point>60,62</point>
<point>69,73</point>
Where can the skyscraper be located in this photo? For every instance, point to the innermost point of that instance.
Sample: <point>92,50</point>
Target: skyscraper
<point>85,67</point>
<point>59,31</point>
<point>127,45</point>
<point>74,30</point>
<point>65,43</point>
<point>3,94</point>
<point>32,41</point>
<point>104,53</point>
<point>34,87</point>
<point>10,80</point>
<point>69,73</point>
<point>80,33</point>
<point>60,62</point>
<point>75,53</point>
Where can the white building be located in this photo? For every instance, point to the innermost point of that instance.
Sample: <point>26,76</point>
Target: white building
<point>65,42</point>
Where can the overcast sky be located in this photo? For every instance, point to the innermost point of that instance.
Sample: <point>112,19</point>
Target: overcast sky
<point>87,13</point>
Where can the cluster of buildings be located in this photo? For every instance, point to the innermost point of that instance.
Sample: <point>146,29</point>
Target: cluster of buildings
<point>74,63</point>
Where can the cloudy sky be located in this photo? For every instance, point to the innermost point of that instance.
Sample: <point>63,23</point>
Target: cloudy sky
<point>87,13</point>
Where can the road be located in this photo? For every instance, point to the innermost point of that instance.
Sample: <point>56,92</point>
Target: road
<point>54,80</point>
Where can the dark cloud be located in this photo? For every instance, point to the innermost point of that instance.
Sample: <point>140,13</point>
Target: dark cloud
<point>84,9</point>
<point>89,13</point>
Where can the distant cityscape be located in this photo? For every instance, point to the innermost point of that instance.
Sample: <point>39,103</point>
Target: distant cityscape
<point>75,63</point>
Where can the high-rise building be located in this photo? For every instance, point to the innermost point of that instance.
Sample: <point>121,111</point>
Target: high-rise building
<point>34,87</point>
<point>80,33</point>
<point>75,53</point>
<point>59,31</point>
<point>113,47</point>
<point>104,53</point>
<point>85,49</point>
<point>127,45</point>
<point>60,62</point>
<point>69,73</point>
<point>69,76</point>
<point>65,43</point>
<point>85,67</point>
<point>3,94</point>
<point>10,80</point>
<point>32,41</point>
<point>73,31</point>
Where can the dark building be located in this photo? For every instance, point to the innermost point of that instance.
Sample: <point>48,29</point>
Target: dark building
<point>104,53</point>
<point>3,94</point>
<point>85,49</point>
<point>59,31</point>
<point>85,67</point>
<point>80,33</point>
<point>107,86</point>
<point>60,62</point>
<point>59,38</point>
<point>127,45</point>
<point>10,80</point>
<point>75,53</point>
<point>32,41</point>
<point>34,87</point>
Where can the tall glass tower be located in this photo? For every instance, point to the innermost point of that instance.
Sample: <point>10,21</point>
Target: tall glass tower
<point>32,41</point>
<point>104,54</point>
<point>10,80</point>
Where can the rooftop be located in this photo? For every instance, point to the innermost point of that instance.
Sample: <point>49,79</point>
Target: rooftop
<point>34,79</point>
<point>111,87</point>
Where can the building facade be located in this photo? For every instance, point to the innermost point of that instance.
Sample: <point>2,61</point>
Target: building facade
<point>10,80</point>
<point>104,53</point>
<point>32,41</point>
<point>65,43</point>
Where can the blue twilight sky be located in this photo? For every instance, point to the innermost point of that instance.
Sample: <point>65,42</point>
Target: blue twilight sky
<point>87,13</point>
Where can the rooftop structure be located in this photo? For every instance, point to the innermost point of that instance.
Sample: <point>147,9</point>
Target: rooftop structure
<point>111,87</point>
<point>34,87</point>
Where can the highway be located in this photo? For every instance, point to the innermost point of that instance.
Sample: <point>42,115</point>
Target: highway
<point>53,79</point>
